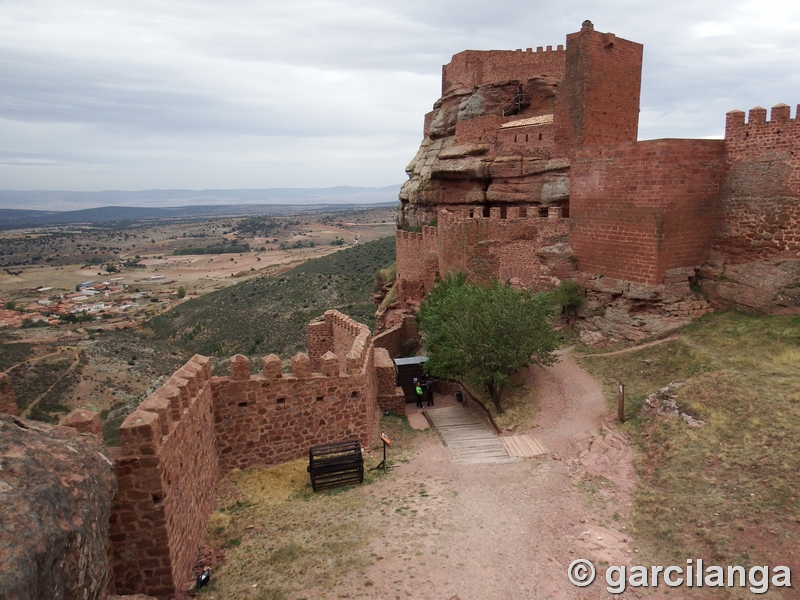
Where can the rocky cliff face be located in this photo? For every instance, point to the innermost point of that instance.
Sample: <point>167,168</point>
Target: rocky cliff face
<point>489,145</point>
<point>758,287</point>
<point>56,487</point>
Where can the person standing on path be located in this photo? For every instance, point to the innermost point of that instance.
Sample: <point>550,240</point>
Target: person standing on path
<point>418,390</point>
<point>429,390</point>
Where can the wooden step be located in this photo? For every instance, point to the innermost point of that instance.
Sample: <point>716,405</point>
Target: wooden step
<point>468,438</point>
<point>524,446</point>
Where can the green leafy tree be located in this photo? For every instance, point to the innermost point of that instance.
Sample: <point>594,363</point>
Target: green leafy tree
<point>568,296</point>
<point>181,292</point>
<point>485,334</point>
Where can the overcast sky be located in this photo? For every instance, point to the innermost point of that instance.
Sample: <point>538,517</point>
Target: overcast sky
<point>142,94</point>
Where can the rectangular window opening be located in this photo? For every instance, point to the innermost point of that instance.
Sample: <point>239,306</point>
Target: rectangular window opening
<point>281,401</point>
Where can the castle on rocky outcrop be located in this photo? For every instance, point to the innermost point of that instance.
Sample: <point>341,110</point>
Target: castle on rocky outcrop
<point>530,171</point>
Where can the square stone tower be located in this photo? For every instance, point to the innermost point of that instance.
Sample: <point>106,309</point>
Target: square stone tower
<point>598,101</point>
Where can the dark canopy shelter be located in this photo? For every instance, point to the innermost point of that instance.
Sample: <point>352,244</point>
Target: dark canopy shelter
<point>407,370</point>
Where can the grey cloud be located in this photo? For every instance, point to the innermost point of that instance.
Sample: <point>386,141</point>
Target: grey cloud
<point>316,92</point>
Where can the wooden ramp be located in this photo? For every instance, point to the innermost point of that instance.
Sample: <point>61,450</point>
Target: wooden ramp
<point>466,436</point>
<point>524,446</point>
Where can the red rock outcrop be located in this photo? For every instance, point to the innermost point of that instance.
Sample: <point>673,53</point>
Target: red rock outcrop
<point>56,486</point>
<point>507,123</point>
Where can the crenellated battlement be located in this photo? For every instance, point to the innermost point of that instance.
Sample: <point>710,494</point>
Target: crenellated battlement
<point>416,261</point>
<point>736,126</point>
<point>759,213</point>
<point>472,68</point>
<point>340,335</point>
<point>196,427</point>
<point>166,469</point>
<point>147,429</point>
<point>417,236</point>
<point>530,214</point>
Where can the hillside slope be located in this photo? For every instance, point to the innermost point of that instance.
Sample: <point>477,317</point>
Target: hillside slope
<point>269,314</point>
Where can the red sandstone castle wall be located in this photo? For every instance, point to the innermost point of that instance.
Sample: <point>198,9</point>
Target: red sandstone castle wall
<point>275,417</point>
<point>478,67</point>
<point>416,263</point>
<point>390,397</point>
<point>395,338</point>
<point>640,209</point>
<point>348,337</point>
<point>483,247</point>
<point>319,336</point>
<point>760,208</point>
<point>180,439</point>
<point>479,130</point>
<point>270,419</point>
<point>598,101</point>
<point>166,471</point>
<point>335,333</point>
<point>534,141</point>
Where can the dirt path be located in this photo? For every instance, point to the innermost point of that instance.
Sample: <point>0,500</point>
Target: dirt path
<point>33,360</point>
<point>509,530</point>
<point>639,346</point>
<point>76,361</point>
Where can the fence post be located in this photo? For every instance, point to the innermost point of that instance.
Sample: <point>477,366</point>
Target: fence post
<point>620,401</point>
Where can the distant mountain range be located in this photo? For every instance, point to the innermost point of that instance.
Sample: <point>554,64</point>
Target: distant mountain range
<point>61,207</point>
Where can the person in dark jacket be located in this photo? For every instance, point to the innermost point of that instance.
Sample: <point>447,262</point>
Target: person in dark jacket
<point>429,390</point>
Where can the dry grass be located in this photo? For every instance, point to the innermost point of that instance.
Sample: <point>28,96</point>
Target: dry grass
<point>519,404</point>
<point>728,491</point>
<point>518,401</point>
<point>284,541</point>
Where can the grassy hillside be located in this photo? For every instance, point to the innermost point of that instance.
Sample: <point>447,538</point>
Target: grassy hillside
<point>727,491</point>
<point>269,314</point>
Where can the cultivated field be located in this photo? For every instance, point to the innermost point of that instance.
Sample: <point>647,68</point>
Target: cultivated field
<point>110,361</point>
<point>61,257</point>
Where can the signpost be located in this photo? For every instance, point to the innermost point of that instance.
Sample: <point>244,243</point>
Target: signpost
<point>620,401</point>
<point>386,442</point>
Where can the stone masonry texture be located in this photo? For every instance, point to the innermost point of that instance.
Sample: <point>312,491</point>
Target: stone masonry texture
<point>530,171</point>
<point>195,428</point>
